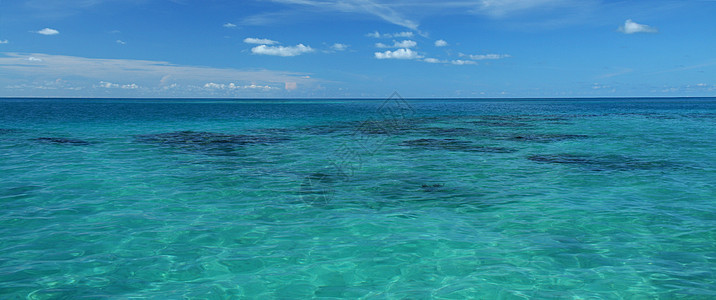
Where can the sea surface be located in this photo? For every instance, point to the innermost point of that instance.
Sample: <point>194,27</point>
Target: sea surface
<point>376,199</point>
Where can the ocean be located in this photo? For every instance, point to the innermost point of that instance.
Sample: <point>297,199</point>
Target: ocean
<point>379,199</point>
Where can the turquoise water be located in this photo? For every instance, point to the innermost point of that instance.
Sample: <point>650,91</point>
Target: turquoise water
<point>380,199</point>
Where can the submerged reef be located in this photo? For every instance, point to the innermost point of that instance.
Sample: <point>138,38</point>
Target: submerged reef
<point>201,141</point>
<point>453,145</point>
<point>9,131</point>
<point>62,141</point>
<point>431,187</point>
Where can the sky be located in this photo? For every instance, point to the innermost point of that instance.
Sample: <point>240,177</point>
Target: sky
<point>357,48</point>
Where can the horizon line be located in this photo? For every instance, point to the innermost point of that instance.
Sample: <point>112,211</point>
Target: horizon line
<point>359,98</point>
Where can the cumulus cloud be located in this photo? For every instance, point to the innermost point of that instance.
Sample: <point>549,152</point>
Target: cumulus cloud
<point>229,25</point>
<point>403,53</point>
<point>396,44</point>
<point>48,31</point>
<point>259,41</point>
<point>485,56</point>
<point>404,34</point>
<point>631,27</point>
<point>281,50</point>
<point>440,43</point>
<point>108,85</point>
<point>339,47</point>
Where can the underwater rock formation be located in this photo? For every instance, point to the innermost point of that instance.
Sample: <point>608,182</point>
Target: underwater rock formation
<point>62,141</point>
<point>9,130</point>
<point>453,145</point>
<point>206,141</point>
<point>431,187</point>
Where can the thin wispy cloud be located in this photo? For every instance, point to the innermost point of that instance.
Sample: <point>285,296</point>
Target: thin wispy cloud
<point>229,25</point>
<point>121,42</point>
<point>505,8</point>
<point>631,27</point>
<point>378,35</point>
<point>339,47</point>
<point>144,73</point>
<point>260,41</point>
<point>457,62</point>
<point>48,31</point>
<point>281,50</point>
<point>109,85</point>
<point>461,62</point>
<point>441,43</point>
<point>4,42</point>
<point>234,86</point>
<point>403,53</point>
<point>398,44</point>
<point>383,10</point>
<point>485,56</point>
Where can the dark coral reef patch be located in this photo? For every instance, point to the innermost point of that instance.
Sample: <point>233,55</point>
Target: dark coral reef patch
<point>453,145</point>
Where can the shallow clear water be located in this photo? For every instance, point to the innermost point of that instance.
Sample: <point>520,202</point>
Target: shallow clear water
<point>512,199</point>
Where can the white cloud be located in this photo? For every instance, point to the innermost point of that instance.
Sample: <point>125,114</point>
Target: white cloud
<point>405,44</point>
<point>485,56</point>
<point>229,25</point>
<point>396,44</point>
<point>3,42</point>
<point>149,76</point>
<point>432,60</point>
<point>404,34</point>
<point>48,31</point>
<point>339,47</point>
<point>461,62</point>
<point>233,86</point>
<point>108,85</point>
<point>402,53</point>
<point>259,41</point>
<point>121,42</point>
<point>441,43</point>
<point>631,27</point>
<point>281,50</point>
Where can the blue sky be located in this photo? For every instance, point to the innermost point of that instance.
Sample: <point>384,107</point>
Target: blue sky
<point>357,48</point>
